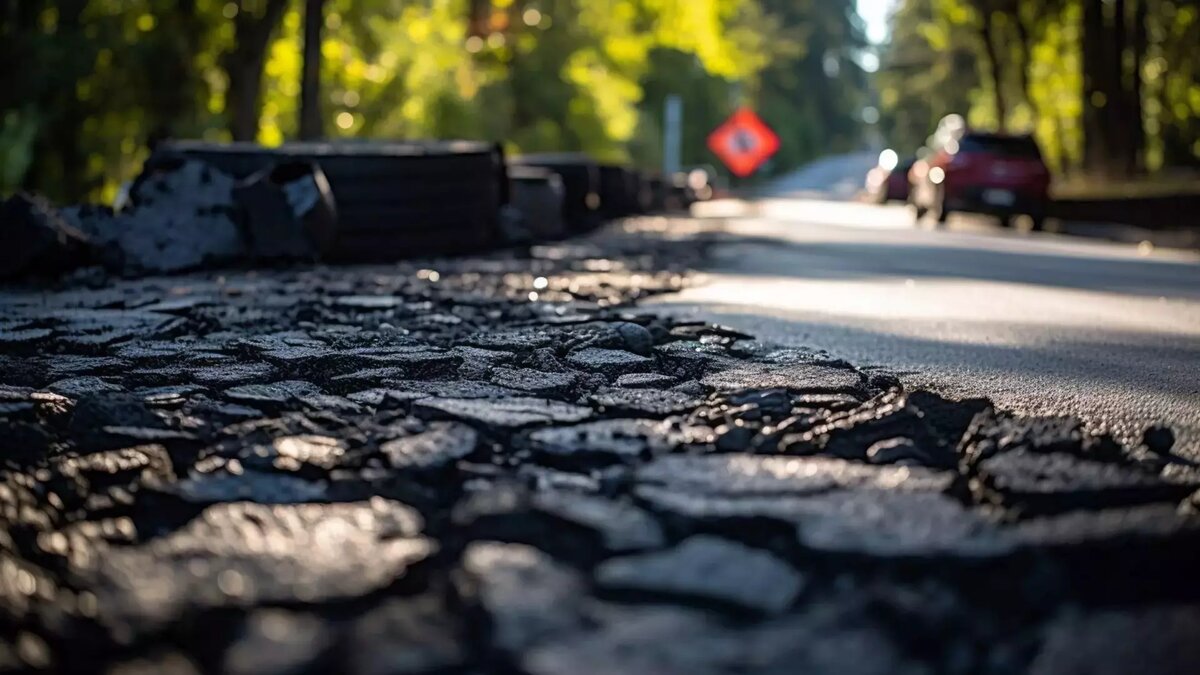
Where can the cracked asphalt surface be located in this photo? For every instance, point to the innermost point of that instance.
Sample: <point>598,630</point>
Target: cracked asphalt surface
<point>1105,331</point>
<point>502,464</point>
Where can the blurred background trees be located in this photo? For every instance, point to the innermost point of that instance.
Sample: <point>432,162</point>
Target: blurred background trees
<point>90,85</point>
<point>1110,88</point>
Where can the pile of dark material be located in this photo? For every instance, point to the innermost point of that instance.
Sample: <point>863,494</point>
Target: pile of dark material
<point>494,465</point>
<point>202,205</point>
<point>394,200</point>
<point>181,215</point>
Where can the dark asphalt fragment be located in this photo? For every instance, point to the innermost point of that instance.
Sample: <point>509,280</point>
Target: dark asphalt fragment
<point>1160,639</point>
<point>1054,482</point>
<point>618,440</point>
<point>238,553</point>
<point>439,446</point>
<point>505,413</point>
<point>528,597</point>
<point>707,569</point>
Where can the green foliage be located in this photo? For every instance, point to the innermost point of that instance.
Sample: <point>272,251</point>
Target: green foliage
<point>938,63</point>
<point>91,84</point>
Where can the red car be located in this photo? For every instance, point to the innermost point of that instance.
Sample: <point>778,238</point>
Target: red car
<point>995,174</point>
<point>888,181</point>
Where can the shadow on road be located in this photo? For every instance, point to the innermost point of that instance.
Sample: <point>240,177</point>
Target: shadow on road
<point>856,260</point>
<point>1108,355</point>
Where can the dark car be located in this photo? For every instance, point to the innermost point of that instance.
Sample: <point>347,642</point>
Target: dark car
<point>888,180</point>
<point>996,174</point>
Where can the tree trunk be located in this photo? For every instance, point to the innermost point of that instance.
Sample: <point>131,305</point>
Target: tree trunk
<point>68,129</point>
<point>1095,97</point>
<point>244,68</point>
<point>311,126</point>
<point>1026,45</point>
<point>176,80</point>
<point>987,31</point>
<point>1137,158</point>
<point>1118,122</point>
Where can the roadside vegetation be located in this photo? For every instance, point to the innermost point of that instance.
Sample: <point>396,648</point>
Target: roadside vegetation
<point>1110,88</point>
<point>114,76</point>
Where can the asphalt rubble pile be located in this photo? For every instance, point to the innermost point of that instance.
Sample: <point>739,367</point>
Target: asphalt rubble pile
<point>500,465</point>
<point>178,215</point>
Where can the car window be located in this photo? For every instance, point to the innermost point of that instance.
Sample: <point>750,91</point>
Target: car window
<point>1004,146</point>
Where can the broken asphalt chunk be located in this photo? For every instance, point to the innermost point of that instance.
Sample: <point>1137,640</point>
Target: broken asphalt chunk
<point>1053,482</point>
<point>612,441</point>
<point>507,413</point>
<point>528,597</point>
<point>438,447</point>
<point>707,570</point>
<point>238,553</point>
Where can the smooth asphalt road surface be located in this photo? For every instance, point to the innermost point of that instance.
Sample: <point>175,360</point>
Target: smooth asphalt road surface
<point>1040,323</point>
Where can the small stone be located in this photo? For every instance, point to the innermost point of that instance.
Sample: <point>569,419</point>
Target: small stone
<point>635,338</point>
<point>1159,440</point>
<point>709,570</point>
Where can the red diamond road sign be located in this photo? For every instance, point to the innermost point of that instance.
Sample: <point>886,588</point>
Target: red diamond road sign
<point>743,142</point>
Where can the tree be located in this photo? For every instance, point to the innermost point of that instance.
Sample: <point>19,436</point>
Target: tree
<point>254,23</point>
<point>311,126</point>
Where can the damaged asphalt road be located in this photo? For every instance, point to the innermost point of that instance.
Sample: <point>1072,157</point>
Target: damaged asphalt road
<point>495,465</point>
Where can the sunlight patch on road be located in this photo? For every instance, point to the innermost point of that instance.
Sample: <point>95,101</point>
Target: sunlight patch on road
<point>908,306</point>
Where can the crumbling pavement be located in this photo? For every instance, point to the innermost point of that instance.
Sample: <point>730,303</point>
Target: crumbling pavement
<point>498,465</point>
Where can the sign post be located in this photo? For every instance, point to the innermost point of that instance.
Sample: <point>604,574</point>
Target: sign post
<point>672,133</point>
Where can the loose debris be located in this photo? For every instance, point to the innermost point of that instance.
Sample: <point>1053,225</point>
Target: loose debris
<point>182,215</point>
<point>493,465</point>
